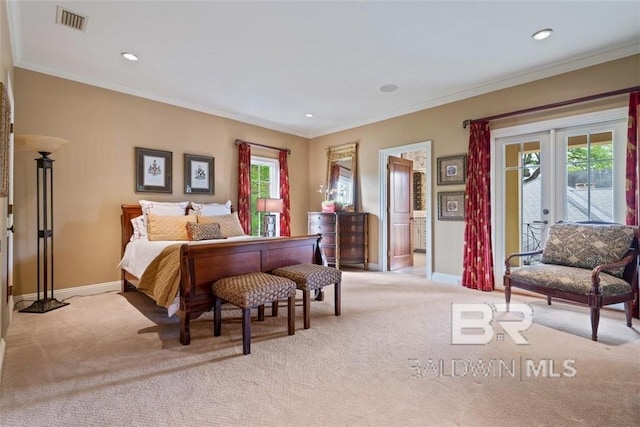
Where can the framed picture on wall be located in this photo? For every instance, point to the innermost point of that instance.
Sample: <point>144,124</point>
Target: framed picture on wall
<point>198,174</point>
<point>451,206</point>
<point>5,131</point>
<point>452,170</point>
<point>153,170</point>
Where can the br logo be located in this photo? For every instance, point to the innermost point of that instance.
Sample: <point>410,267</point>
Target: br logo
<point>474,323</point>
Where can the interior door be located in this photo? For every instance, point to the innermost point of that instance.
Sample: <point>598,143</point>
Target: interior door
<point>400,185</point>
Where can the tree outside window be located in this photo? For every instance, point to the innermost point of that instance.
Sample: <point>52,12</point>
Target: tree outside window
<point>264,184</point>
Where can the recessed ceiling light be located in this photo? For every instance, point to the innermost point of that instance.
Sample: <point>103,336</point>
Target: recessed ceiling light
<point>542,34</point>
<point>308,115</point>
<point>129,56</point>
<point>388,88</point>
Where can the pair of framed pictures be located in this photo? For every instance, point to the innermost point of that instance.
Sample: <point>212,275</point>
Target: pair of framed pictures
<point>451,170</point>
<point>153,172</point>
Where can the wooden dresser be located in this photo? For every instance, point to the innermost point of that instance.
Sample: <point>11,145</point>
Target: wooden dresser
<point>344,236</point>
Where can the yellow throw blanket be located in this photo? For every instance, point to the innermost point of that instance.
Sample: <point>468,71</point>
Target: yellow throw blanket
<point>161,279</point>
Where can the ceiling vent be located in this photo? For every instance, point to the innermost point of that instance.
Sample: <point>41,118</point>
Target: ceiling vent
<point>71,19</point>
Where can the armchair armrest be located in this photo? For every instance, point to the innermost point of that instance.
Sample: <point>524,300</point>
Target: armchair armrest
<point>519,254</point>
<point>595,273</point>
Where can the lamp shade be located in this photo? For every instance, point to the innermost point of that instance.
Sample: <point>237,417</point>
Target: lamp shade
<point>39,143</point>
<point>269,205</point>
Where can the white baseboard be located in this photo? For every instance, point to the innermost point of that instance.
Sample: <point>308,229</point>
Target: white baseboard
<point>3,346</point>
<point>446,278</point>
<point>62,294</point>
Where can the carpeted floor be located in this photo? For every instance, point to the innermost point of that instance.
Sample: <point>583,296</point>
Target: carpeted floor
<point>114,359</point>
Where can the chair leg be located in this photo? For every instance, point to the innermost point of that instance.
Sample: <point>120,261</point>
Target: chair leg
<point>595,319</point>
<point>507,292</point>
<point>627,311</point>
<point>217,317</point>
<point>337,298</point>
<point>261,312</point>
<point>291,314</point>
<point>274,308</point>
<point>306,307</point>
<point>246,331</point>
<point>548,300</point>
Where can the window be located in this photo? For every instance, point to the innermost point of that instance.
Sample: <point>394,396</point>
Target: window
<point>589,169</point>
<point>265,183</point>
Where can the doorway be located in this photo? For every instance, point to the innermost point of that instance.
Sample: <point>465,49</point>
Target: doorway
<point>422,260</point>
<point>569,169</point>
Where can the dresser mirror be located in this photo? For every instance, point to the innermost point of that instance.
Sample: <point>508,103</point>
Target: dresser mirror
<point>342,161</point>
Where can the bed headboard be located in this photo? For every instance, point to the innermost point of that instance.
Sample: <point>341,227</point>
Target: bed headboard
<point>128,213</point>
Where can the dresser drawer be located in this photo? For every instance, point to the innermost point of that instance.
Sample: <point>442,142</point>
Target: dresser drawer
<point>352,219</point>
<point>349,227</point>
<point>351,253</point>
<point>326,219</point>
<point>315,228</point>
<point>328,239</point>
<point>329,252</point>
<point>351,239</point>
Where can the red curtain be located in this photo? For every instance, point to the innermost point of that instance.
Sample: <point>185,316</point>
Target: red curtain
<point>478,254</point>
<point>285,216</point>
<point>244,186</point>
<point>632,160</point>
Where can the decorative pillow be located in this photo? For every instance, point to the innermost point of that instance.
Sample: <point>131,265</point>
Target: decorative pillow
<point>229,224</point>
<point>212,209</point>
<point>587,245</point>
<point>209,231</point>
<point>139,228</point>
<point>163,208</point>
<point>165,227</point>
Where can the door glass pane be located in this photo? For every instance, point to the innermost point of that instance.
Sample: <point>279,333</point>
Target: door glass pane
<point>589,177</point>
<point>523,195</point>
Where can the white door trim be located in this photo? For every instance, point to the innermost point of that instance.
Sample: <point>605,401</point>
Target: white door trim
<point>383,157</point>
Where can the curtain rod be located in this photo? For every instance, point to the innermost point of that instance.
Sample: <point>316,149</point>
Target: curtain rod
<point>554,105</point>
<point>239,141</point>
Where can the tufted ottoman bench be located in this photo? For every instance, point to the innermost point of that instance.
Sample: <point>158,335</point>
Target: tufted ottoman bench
<point>310,277</point>
<point>248,291</point>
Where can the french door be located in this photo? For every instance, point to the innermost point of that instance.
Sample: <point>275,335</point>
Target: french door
<point>569,169</point>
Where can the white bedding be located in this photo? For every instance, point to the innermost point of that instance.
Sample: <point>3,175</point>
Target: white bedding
<point>139,253</point>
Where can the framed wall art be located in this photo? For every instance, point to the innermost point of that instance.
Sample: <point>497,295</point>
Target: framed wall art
<point>5,132</point>
<point>153,170</point>
<point>198,174</point>
<point>452,170</point>
<point>451,206</point>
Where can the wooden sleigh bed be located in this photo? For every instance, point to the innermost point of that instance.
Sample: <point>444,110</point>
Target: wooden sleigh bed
<point>201,265</point>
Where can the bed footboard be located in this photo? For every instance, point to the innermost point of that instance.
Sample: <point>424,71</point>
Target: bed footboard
<point>202,265</point>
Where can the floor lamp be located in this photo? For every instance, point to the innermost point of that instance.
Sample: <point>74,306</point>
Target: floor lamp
<point>44,145</point>
<point>267,207</point>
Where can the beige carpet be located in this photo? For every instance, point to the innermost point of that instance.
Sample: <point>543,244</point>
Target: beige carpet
<point>115,360</point>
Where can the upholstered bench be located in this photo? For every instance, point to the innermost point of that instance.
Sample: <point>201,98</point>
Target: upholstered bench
<point>311,277</point>
<point>593,264</point>
<point>249,291</point>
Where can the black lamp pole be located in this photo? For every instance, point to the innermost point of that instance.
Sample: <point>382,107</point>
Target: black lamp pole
<point>44,207</point>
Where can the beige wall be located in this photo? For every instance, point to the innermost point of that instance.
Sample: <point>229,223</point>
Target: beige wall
<point>443,126</point>
<point>94,174</point>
